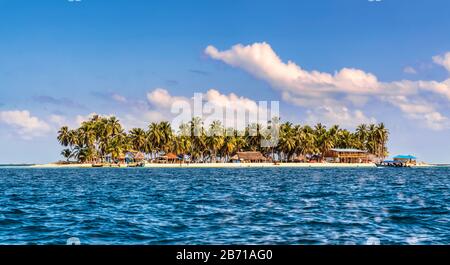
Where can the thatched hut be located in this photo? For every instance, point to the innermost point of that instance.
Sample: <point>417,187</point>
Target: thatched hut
<point>251,157</point>
<point>121,158</point>
<point>139,156</point>
<point>171,157</point>
<point>167,158</point>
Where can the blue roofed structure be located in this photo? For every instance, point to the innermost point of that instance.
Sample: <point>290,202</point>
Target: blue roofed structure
<point>404,157</point>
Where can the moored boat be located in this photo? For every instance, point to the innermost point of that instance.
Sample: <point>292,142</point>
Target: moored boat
<point>392,163</point>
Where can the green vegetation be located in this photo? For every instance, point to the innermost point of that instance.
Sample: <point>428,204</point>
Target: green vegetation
<point>101,136</point>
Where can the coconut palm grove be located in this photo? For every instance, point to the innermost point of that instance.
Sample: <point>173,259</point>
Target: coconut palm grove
<point>104,137</point>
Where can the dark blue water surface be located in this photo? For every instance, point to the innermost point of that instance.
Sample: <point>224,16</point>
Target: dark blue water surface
<point>225,206</point>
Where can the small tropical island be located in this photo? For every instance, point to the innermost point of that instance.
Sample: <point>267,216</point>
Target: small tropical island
<point>103,142</point>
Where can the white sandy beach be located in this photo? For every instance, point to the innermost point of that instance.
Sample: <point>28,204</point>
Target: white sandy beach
<point>221,165</point>
<point>256,165</point>
<point>55,165</point>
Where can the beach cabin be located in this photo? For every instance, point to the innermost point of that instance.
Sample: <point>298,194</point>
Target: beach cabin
<point>235,159</point>
<point>250,157</point>
<point>167,158</point>
<point>129,157</point>
<point>172,158</point>
<point>121,158</point>
<point>347,155</point>
<point>406,159</point>
<point>299,158</point>
<point>138,157</point>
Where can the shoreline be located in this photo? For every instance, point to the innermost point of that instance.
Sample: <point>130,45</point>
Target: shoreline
<point>219,165</point>
<point>225,165</point>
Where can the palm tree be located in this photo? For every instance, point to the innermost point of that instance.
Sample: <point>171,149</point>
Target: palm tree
<point>320,128</point>
<point>305,140</point>
<point>113,126</point>
<point>372,144</point>
<point>324,139</point>
<point>99,136</point>
<point>66,153</point>
<point>382,135</point>
<point>84,154</point>
<point>63,136</point>
<point>154,136</point>
<point>239,141</point>
<point>73,138</point>
<point>138,139</point>
<point>361,135</point>
<point>334,132</point>
<point>103,145</point>
<point>346,139</point>
<point>86,134</point>
<point>286,143</point>
<point>181,145</point>
<point>253,136</point>
<point>230,143</point>
<point>215,139</point>
<point>196,126</point>
<point>116,147</point>
<point>166,135</point>
<point>198,139</point>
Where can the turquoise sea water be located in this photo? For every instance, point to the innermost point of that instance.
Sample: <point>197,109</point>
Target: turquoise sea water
<point>225,206</point>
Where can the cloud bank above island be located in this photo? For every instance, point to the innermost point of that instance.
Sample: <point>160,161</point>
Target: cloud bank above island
<point>342,97</point>
<point>346,90</point>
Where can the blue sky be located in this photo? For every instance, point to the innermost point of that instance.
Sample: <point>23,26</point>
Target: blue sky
<point>358,61</point>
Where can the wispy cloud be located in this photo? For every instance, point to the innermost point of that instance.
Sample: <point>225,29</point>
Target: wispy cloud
<point>172,82</point>
<point>443,60</point>
<point>119,98</point>
<point>199,72</point>
<point>409,70</point>
<point>108,96</point>
<point>45,99</point>
<point>315,89</point>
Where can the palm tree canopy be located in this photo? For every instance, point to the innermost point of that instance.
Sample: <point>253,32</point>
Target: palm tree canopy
<point>104,136</point>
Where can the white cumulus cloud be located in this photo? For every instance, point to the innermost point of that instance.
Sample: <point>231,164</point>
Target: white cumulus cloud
<point>340,115</point>
<point>24,124</point>
<point>346,87</point>
<point>241,110</point>
<point>160,97</point>
<point>443,60</point>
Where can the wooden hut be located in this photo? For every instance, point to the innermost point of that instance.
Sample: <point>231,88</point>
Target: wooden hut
<point>251,157</point>
<point>172,158</point>
<point>167,158</point>
<point>235,159</point>
<point>346,155</point>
